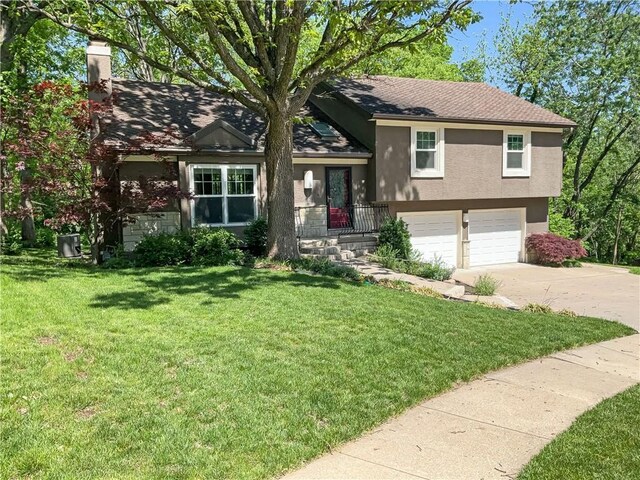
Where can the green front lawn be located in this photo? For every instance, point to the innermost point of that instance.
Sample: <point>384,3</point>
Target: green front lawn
<point>228,372</point>
<point>603,443</point>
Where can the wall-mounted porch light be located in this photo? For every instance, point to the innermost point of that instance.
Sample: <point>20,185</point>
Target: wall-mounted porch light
<point>465,217</point>
<point>308,179</point>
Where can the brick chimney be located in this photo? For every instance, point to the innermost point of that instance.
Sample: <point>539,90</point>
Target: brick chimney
<point>98,68</point>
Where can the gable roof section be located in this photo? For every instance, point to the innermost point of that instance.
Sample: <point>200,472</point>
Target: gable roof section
<point>210,135</point>
<point>194,114</point>
<point>398,98</point>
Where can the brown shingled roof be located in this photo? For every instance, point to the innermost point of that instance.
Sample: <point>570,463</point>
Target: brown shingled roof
<point>408,98</point>
<point>148,107</point>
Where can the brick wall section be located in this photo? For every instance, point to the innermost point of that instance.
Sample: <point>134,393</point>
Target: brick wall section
<point>149,224</point>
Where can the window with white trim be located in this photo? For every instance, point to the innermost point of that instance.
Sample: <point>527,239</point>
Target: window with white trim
<point>517,148</point>
<point>223,194</point>
<point>427,152</point>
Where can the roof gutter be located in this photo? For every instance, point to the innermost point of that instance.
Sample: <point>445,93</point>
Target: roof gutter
<point>387,116</point>
<point>243,153</point>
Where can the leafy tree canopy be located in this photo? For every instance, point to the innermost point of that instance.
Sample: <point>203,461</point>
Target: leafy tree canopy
<point>268,55</point>
<point>423,60</point>
<point>581,59</point>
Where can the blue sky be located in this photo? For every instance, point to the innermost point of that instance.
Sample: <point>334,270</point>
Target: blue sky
<point>466,43</point>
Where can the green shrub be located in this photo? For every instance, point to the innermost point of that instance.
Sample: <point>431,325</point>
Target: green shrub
<point>486,285</point>
<point>214,247</point>
<point>163,249</point>
<point>387,256</point>
<point>201,246</point>
<point>45,237</point>
<point>11,242</point>
<point>255,237</point>
<point>434,270</point>
<point>324,266</point>
<point>394,233</point>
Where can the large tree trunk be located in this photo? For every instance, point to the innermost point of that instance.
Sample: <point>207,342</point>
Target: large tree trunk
<point>614,259</point>
<point>3,189</point>
<point>15,25</point>
<point>104,224</point>
<point>7,32</point>
<point>281,234</point>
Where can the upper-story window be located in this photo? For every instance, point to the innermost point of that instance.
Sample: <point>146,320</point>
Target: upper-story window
<point>517,154</point>
<point>427,152</point>
<point>223,194</point>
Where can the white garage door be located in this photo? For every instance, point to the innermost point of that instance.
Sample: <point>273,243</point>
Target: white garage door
<point>495,236</point>
<point>434,234</point>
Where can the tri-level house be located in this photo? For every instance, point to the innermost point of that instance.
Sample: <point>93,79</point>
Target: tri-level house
<point>468,167</point>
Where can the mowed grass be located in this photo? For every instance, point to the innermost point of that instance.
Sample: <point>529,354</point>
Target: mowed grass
<point>228,372</point>
<point>603,443</point>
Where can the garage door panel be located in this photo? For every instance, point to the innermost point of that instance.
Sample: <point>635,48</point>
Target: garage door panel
<point>434,235</point>
<point>495,236</point>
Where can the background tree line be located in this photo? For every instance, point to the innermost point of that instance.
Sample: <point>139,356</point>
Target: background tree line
<point>581,59</point>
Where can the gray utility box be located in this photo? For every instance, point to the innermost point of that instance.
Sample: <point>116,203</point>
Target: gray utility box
<point>69,245</point>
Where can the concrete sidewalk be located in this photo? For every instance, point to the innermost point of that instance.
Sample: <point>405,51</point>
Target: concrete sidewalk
<point>491,427</point>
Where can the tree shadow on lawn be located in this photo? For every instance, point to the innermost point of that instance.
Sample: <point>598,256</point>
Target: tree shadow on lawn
<point>129,300</point>
<point>43,267</point>
<point>164,284</point>
<point>156,286</point>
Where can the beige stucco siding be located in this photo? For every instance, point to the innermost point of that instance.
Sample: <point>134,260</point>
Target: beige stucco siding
<point>546,154</point>
<point>472,170</point>
<point>536,216</point>
<point>356,122</point>
<point>317,195</point>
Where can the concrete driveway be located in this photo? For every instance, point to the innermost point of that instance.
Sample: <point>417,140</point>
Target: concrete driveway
<point>593,290</point>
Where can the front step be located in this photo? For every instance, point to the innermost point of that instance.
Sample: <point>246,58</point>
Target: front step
<point>345,247</point>
<point>321,250</point>
<point>318,242</point>
<point>358,239</point>
<point>343,255</point>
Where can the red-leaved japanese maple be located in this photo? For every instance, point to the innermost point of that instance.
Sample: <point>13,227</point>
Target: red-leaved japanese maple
<point>69,178</point>
<point>552,249</point>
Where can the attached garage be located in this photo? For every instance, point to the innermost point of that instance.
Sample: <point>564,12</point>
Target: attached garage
<point>496,236</point>
<point>435,234</point>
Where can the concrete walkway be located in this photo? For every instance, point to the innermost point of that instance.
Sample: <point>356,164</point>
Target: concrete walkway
<point>491,427</point>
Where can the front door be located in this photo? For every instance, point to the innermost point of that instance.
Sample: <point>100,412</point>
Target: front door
<point>339,197</point>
